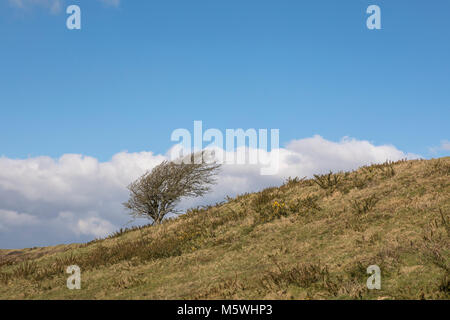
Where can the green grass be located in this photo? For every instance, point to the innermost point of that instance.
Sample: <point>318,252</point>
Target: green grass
<point>308,239</point>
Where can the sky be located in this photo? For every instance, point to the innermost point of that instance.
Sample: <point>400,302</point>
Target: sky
<point>84,112</point>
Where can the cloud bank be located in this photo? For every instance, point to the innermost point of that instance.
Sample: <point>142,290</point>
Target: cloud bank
<point>74,198</point>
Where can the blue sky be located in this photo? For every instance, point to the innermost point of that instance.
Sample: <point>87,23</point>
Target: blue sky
<point>72,101</point>
<point>139,70</point>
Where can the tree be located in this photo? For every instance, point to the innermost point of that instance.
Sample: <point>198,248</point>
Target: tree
<point>157,192</point>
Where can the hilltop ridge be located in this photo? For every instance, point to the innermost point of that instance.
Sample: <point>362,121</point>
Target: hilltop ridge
<point>307,239</point>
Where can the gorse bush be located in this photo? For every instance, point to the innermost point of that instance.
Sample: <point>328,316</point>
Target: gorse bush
<point>195,211</point>
<point>386,170</point>
<point>127,281</point>
<point>263,199</point>
<point>301,275</point>
<point>268,209</point>
<point>25,270</point>
<point>305,205</point>
<point>364,205</point>
<point>296,181</point>
<point>436,246</point>
<point>123,231</point>
<point>276,211</point>
<point>4,278</point>
<point>359,179</point>
<point>439,167</point>
<point>278,206</point>
<point>290,182</point>
<point>312,275</point>
<point>444,285</point>
<point>224,289</point>
<point>329,182</point>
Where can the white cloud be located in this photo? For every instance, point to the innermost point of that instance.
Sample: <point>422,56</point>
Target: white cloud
<point>77,198</point>
<point>12,218</point>
<point>445,146</point>
<point>95,226</point>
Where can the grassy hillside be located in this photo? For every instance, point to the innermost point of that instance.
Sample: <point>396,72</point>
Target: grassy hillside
<point>308,239</point>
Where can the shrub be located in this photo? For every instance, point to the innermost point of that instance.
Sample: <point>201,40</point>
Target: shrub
<point>364,205</point>
<point>276,211</point>
<point>444,285</point>
<point>439,167</point>
<point>301,275</point>
<point>4,278</point>
<point>305,205</point>
<point>328,182</point>
<point>262,200</point>
<point>25,270</point>
<point>296,181</point>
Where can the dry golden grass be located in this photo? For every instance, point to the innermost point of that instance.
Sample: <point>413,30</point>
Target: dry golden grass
<point>308,239</point>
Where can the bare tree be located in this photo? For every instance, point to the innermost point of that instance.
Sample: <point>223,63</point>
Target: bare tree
<point>157,192</point>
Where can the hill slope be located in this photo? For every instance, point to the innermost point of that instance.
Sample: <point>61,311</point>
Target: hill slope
<point>310,238</point>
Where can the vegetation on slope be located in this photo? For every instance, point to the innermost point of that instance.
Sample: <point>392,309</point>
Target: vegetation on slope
<point>308,239</point>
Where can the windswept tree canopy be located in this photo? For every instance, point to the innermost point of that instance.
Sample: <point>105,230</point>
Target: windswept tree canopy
<point>158,192</point>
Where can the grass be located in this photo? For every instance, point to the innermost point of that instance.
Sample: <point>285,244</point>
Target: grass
<point>308,239</point>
